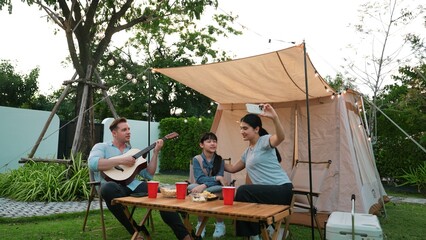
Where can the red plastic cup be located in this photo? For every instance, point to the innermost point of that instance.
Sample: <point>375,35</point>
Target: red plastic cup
<point>153,189</point>
<point>181,190</point>
<point>228,193</point>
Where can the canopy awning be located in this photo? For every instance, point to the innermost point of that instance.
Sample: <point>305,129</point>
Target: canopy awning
<point>272,77</point>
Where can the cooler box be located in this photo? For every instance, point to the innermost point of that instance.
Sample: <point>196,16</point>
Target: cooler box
<point>339,227</point>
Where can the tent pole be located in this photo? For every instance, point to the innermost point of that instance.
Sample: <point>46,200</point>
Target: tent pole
<point>149,112</point>
<point>309,142</point>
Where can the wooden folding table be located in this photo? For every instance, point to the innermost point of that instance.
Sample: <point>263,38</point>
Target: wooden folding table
<point>265,214</point>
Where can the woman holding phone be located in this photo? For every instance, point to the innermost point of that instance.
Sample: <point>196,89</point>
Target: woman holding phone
<point>269,183</point>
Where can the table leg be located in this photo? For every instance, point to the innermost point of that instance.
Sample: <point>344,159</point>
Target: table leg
<point>277,226</point>
<point>144,219</point>
<point>134,235</point>
<point>188,226</point>
<point>127,212</point>
<point>186,222</point>
<point>202,226</point>
<point>264,232</point>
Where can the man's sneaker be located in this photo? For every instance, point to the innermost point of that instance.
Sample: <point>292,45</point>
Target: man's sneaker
<point>219,230</point>
<point>270,230</point>
<point>280,232</point>
<point>203,232</point>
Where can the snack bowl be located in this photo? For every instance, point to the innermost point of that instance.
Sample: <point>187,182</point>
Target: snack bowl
<point>169,192</point>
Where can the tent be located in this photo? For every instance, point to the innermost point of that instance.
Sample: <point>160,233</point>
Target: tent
<point>337,131</point>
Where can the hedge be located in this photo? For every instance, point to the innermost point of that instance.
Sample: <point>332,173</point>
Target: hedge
<point>177,153</point>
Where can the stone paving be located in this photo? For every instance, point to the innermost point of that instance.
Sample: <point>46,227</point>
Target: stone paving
<point>14,209</point>
<point>408,200</point>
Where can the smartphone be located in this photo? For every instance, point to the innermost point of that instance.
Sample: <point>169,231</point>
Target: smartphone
<point>140,194</point>
<point>254,108</point>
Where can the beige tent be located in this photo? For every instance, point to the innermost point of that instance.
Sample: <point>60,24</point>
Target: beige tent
<point>279,78</point>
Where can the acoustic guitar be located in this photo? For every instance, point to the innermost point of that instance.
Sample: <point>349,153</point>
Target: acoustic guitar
<point>123,174</point>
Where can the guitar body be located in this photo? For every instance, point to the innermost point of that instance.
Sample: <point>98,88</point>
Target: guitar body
<point>126,175</point>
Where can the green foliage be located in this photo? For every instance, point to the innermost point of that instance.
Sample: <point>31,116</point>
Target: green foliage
<point>164,94</point>
<point>21,91</point>
<point>6,3</point>
<point>176,155</point>
<point>31,182</point>
<point>46,182</point>
<point>340,82</point>
<point>394,154</point>
<point>75,185</point>
<point>415,176</point>
<point>172,40</point>
<point>16,90</point>
<point>405,104</point>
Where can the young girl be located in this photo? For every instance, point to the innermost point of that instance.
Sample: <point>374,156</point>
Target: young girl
<point>209,176</point>
<point>270,183</point>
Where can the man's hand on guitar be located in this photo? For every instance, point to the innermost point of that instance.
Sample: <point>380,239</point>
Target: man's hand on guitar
<point>128,161</point>
<point>158,145</point>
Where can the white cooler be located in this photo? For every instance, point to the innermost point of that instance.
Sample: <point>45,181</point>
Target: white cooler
<point>339,227</point>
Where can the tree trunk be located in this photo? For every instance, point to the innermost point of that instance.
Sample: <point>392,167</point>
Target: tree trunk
<point>86,136</point>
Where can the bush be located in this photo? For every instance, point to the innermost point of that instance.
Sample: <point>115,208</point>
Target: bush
<point>176,155</point>
<point>48,182</point>
<point>415,176</point>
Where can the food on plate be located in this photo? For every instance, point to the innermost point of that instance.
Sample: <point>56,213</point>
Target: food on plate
<point>203,197</point>
<point>208,195</point>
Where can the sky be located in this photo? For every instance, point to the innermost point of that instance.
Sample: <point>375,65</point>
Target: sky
<point>322,25</point>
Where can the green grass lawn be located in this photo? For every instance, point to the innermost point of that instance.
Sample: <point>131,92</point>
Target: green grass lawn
<point>403,221</point>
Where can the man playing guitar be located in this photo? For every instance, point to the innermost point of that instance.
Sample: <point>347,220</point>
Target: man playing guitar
<point>106,155</point>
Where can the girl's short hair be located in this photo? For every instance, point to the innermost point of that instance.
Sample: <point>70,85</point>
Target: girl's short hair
<point>208,136</point>
<point>217,161</point>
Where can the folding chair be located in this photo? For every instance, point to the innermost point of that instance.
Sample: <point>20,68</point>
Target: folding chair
<point>95,192</point>
<point>301,190</point>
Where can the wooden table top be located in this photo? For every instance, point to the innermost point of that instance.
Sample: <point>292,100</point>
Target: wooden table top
<point>253,212</point>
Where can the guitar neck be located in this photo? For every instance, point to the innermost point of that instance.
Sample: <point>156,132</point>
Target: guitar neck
<point>146,150</point>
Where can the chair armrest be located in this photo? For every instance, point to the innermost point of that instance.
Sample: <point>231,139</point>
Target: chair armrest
<point>96,183</point>
<point>303,205</point>
<point>301,191</point>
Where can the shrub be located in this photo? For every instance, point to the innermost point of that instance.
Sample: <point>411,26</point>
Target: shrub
<point>176,155</point>
<point>48,182</point>
<point>415,176</point>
